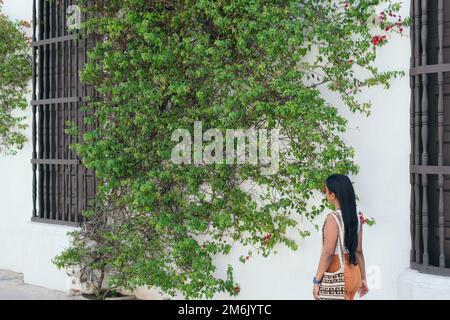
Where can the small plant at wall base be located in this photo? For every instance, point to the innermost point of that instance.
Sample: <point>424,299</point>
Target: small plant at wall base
<point>159,66</point>
<point>15,72</point>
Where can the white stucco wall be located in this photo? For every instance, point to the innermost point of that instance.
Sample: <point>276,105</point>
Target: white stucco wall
<point>26,246</point>
<point>382,150</point>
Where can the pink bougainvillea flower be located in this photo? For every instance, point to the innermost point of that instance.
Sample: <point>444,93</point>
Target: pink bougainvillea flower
<point>362,218</point>
<point>267,237</point>
<point>375,40</point>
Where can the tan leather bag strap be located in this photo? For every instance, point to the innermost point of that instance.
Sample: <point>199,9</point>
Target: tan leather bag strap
<point>338,218</point>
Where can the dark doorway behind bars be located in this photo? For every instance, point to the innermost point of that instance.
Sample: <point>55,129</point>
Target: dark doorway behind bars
<point>430,136</point>
<point>62,187</point>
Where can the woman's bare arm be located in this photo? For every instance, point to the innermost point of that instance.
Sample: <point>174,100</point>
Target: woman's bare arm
<point>329,246</point>
<point>360,255</point>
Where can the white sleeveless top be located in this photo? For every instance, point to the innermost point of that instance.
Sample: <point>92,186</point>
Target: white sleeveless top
<point>359,228</point>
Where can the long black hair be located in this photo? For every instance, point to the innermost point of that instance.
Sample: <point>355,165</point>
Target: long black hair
<point>342,187</point>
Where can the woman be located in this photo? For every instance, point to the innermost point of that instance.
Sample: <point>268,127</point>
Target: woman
<point>340,193</point>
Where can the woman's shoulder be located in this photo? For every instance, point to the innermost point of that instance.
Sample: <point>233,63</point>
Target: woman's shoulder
<point>331,216</point>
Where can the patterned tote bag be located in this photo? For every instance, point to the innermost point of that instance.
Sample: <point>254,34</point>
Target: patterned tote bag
<point>333,285</point>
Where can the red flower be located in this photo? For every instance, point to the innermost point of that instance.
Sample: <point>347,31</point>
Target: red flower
<point>375,40</point>
<point>235,291</point>
<point>378,39</point>
<point>267,237</point>
<point>362,218</point>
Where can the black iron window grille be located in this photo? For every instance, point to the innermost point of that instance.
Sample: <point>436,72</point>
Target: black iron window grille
<point>62,187</point>
<point>430,136</point>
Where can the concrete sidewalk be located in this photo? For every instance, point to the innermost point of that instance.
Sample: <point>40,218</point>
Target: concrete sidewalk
<point>13,288</point>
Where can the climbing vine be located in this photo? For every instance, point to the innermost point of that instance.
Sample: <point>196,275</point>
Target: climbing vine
<point>15,72</point>
<point>159,66</point>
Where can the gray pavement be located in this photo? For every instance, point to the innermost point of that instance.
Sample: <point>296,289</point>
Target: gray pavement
<point>12,287</point>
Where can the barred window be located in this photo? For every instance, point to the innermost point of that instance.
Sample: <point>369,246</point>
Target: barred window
<point>430,136</point>
<point>62,187</point>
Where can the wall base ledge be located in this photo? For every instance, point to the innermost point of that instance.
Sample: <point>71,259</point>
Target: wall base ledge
<point>414,285</point>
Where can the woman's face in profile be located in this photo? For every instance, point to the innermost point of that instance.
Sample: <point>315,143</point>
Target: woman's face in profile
<point>329,195</point>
